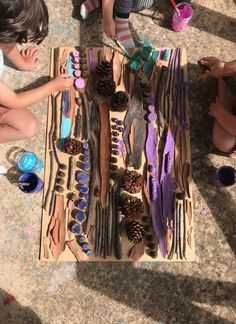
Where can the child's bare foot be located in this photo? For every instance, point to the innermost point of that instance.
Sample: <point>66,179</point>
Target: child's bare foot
<point>224,94</point>
<point>87,7</point>
<point>123,32</point>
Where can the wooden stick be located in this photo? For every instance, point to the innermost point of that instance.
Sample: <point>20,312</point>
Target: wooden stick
<point>96,230</point>
<point>25,184</point>
<point>114,49</point>
<point>105,152</point>
<point>118,43</point>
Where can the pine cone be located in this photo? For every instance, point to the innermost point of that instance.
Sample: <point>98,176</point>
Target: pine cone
<point>72,146</point>
<point>132,207</point>
<point>106,87</point>
<point>104,69</point>
<point>135,232</point>
<point>120,101</point>
<point>132,181</point>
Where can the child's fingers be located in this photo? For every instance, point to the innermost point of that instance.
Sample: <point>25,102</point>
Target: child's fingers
<point>23,52</point>
<point>31,51</point>
<point>34,56</point>
<point>65,76</point>
<point>34,52</point>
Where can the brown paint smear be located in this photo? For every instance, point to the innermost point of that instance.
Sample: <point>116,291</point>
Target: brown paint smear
<point>56,230</point>
<point>105,152</point>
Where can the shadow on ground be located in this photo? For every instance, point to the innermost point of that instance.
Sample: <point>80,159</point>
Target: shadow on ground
<point>219,200</point>
<point>12,312</point>
<point>160,296</point>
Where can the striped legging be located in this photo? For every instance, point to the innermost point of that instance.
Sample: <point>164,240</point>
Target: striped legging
<point>124,7</point>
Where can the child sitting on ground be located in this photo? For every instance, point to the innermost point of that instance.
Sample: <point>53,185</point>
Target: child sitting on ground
<point>119,26</point>
<point>22,21</point>
<point>224,129</point>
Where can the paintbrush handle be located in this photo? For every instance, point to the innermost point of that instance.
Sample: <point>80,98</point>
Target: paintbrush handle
<point>118,43</point>
<point>202,76</point>
<point>175,6</point>
<point>25,184</point>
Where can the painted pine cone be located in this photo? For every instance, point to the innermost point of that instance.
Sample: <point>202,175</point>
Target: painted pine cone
<point>106,87</point>
<point>104,69</point>
<point>132,207</point>
<point>120,101</point>
<point>72,146</point>
<point>132,181</point>
<point>135,232</point>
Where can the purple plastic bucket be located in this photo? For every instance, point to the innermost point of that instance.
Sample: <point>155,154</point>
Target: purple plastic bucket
<point>35,183</point>
<point>180,22</point>
<point>225,176</point>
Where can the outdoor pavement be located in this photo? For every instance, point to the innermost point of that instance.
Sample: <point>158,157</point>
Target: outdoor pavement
<point>69,293</point>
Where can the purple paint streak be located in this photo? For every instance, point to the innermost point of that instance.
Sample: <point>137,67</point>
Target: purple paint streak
<point>166,178</point>
<point>92,60</point>
<point>153,185</point>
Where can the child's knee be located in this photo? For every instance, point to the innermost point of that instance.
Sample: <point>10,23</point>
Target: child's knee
<point>31,128</point>
<point>225,145</point>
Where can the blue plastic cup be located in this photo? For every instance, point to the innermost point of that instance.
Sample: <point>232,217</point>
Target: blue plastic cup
<point>28,162</point>
<point>35,183</point>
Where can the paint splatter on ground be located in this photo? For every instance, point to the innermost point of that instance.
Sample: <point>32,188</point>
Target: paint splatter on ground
<point>8,299</point>
<point>60,276</point>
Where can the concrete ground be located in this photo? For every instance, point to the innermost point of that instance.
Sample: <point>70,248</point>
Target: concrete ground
<point>200,292</point>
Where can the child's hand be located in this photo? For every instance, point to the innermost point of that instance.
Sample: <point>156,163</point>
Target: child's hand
<point>30,58</point>
<point>215,66</point>
<point>108,26</point>
<point>62,82</point>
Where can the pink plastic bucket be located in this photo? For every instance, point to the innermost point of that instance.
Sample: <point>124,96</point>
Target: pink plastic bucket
<point>180,22</point>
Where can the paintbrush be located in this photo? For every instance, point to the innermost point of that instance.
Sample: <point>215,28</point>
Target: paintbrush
<point>176,8</point>
<point>24,184</point>
<point>200,77</point>
<point>114,49</point>
<point>118,43</point>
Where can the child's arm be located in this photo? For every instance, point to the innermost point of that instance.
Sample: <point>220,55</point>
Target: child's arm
<point>230,68</point>
<point>10,99</point>
<point>25,60</point>
<point>217,68</point>
<point>108,23</point>
<point>224,117</point>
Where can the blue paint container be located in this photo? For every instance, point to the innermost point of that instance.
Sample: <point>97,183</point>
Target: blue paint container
<point>80,217</point>
<point>82,205</point>
<point>225,176</point>
<point>76,228</point>
<point>28,161</point>
<point>35,183</point>
<point>89,253</point>
<point>82,177</point>
<point>85,246</point>
<point>82,239</point>
<point>84,189</point>
<point>85,196</point>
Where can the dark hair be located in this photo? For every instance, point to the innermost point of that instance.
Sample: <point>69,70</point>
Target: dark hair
<point>22,21</point>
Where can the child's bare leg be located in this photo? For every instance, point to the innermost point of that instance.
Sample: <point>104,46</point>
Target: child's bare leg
<point>87,7</point>
<point>123,9</point>
<point>222,140</point>
<point>225,96</point>
<point>18,124</point>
